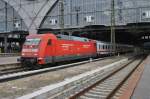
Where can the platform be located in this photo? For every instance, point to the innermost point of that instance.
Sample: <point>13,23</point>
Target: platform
<point>142,91</point>
<point>8,60</point>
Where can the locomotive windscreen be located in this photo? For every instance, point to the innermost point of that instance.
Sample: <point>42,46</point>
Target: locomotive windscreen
<point>34,41</point>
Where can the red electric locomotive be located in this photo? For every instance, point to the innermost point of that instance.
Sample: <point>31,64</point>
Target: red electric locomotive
<point>49,48</point>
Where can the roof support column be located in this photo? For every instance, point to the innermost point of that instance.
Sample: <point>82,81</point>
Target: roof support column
<point>113,39</point>
<point>6,16</point>
<point>5,43</point>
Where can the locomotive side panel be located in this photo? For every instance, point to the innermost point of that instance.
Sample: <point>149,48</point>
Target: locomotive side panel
<point>70,50</point>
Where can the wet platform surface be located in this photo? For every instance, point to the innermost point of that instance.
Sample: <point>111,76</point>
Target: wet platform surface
<point>8,60</point>
<point>142,91</point>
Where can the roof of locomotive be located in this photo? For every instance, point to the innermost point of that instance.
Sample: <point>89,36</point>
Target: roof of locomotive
<point>66,37</point>
<point>47,35</point>
<point>74,38</point>
<point>59,36</point>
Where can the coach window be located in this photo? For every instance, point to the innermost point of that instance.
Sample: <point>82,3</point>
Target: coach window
<point>49,42</point>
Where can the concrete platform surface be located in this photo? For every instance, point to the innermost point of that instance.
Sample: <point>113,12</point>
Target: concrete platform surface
<point>142,91</point>
<point>8,60</point>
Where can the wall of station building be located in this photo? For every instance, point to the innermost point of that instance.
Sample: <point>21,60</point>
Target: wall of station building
<point>79,13</point>
<point>10,19</point>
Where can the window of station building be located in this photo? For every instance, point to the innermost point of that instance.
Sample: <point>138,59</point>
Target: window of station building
<point>146,14</point>
<point>17,25</point>
<point>53,21</point>
<point>108,46</point>
<point>89,18</point>
<point>103,46</point>
<point>116,47</point>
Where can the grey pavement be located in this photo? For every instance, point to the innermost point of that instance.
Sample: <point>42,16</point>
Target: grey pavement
<point>8,60</point>
<point>142,91</point>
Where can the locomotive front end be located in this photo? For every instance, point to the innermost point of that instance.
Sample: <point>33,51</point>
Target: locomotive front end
<point>30,51</point>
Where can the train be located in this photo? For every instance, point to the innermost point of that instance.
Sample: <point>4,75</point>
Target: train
<point>49,48</point>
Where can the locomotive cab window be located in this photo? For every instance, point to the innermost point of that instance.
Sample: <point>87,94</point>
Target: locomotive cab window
<point>34,41</point>
<point>49,42</point>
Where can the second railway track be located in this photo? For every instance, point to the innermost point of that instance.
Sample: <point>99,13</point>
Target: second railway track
<point>107,87</point>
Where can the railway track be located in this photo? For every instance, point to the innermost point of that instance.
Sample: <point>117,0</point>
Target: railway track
<point>10,68</point>
<point>108,87</point>
<point>9,54</point>
<point>15,71</point>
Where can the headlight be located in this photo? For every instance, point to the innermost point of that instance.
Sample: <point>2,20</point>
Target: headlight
<point>40,58</point>
<point>34,50</point>
<point>35,54</point>
<point>22,54</point>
